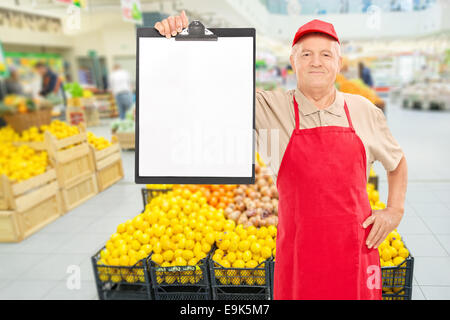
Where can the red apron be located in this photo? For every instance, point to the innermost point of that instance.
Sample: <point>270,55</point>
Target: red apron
<point>321,249</point>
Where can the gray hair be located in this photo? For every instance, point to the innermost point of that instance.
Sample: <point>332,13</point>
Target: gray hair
<point>294,49</point>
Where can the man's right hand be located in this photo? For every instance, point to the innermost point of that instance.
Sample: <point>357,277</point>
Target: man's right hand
<point>173,25</point>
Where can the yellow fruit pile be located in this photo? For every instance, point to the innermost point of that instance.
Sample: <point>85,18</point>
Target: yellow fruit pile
<point>21,163</point>
<point>244,248</point>
<point>7,134</point>
<point>392,250</point>
<point>159,186</point>
<point>32,134</point>
<point>57,128</point>
<point>356,86</point>
<point>178,227</point>
<point>374,197</point>
<point>60,129</point>
<point>99,143</point>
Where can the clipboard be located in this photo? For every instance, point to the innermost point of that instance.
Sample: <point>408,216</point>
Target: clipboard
<point>195,106</point>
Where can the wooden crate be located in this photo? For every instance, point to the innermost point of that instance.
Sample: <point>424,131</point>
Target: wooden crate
<point>36,145</point>
<point>73,163</point>
<point>126,139</point>
<point>108,163</point>
<point>79,191</point>
<point>3,193</point>
<point>33,204</point>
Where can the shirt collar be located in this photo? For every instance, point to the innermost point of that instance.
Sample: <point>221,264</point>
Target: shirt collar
<point>307,107</point>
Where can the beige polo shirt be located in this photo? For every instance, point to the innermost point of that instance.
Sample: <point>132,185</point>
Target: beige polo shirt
<point>275,121</point>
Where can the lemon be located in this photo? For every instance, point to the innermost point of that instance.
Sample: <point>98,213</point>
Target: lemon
<point>394,235</point>
<point>180,261</point>
<point>147,248</point>
<point>238,264</point>
<point>266,252</point>
<point>187,255</point>
<point>397,244</point>
<point>230,257</point>
<point>398,260</point>
<point>178,253</point>
<point>206,247</point>
<point>224,244</point>
<point>262,233</point>
<point>121,228</point>
<point>394,252</point>
<point>403,252</point>
<point>272,231</point>
<point>124,260</point>
<point>192,262</point>
<point>168,255</point>
<point>389,263</point>
<point>217,257</point>
<point>157,258</point>
<point>386,254</point>
<point>244,245</point>
<point>247,256</point>
<point>157,248</point>
<point>255,248</point>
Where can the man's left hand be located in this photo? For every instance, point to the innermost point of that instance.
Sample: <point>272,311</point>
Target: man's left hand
<point>384,221</point>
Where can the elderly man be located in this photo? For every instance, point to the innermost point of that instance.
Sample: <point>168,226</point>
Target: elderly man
<point>327,233</point>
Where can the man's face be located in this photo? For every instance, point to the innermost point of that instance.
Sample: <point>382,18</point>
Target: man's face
<point>316,61</point>
<point>41,70</point>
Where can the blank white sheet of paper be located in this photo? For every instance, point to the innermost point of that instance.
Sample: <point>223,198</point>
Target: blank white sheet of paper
<point>196,107</point>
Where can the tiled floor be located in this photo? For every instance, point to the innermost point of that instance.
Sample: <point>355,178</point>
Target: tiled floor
<point>45,265</point>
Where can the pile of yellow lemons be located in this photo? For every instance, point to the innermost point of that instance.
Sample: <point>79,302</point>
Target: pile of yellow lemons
<point>374,197</point>
<point>60,129</point>
<point>21,163</point>
<point>244,248</point>
<point>392,250</point>
<point>178,227</point>
<point>7,134</point>
<point>99,143</point>
<point>32,134</point>
<point>57,128</point>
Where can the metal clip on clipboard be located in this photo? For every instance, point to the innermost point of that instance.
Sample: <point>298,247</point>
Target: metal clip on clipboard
<point>196,31</point>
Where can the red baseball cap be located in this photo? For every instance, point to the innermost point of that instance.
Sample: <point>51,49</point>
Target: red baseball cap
<point>315,26</point>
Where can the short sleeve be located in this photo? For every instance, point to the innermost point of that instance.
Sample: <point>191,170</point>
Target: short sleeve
<point>385,148</point>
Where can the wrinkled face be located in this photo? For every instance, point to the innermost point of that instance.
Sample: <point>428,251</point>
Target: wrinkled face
<point>316,61</point>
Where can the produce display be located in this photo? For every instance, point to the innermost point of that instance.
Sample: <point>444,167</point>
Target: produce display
<point>125,125</point>
<point>7,134</point>
<point>15,103</point>
<point>57,128</point>
<point>234,225</point>
<point>255,205</point>
<point>179,228</point>
<point>99,143</point>
<point>357,86</point>
<point>218,196</point>
<point>21,163</point>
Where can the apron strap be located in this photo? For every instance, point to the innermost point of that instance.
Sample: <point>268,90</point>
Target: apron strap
<point>297,121</point>
<point>350,124</point>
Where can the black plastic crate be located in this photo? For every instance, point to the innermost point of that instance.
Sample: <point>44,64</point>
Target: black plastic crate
<point>122,283</point>
<point>181,283</point>
<point>272,272</point>
<point>240,283</point>
<point>398,281</point>
<point>149,194</point>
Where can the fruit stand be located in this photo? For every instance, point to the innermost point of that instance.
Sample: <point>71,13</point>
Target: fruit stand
<point>48,170</point>
<point>202,242</point>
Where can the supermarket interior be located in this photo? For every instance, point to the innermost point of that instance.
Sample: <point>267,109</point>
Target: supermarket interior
<point>74,224</point>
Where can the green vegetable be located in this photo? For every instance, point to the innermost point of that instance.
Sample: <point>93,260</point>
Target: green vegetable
<point>74,88</point>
